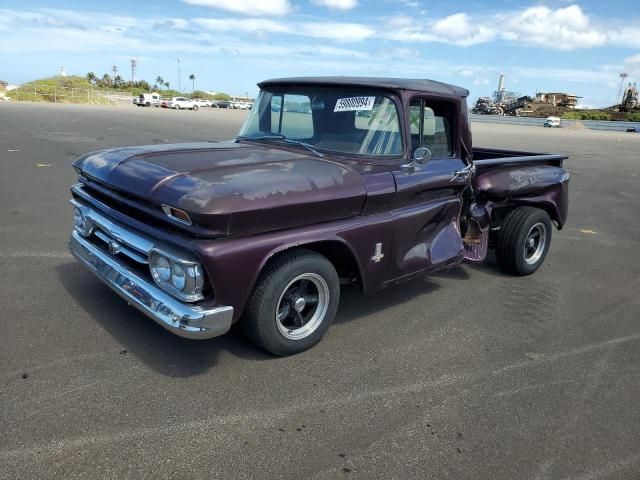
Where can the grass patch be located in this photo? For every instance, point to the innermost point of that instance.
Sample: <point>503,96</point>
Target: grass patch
<point>60,90</point>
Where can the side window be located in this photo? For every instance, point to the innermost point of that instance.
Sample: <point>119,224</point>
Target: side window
<point>436,133</point>
<point>431,126</point>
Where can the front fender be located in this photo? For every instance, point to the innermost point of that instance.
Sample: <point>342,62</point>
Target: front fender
<point>233,265</point>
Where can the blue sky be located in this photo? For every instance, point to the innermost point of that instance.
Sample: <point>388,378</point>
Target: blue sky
<point>230,45</point>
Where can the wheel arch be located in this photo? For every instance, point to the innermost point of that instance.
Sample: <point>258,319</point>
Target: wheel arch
<point>500,212</point>
<point>336,250</point>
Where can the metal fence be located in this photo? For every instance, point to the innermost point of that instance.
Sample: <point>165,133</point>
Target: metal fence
<point>539,122</point>
<point>56,94</point>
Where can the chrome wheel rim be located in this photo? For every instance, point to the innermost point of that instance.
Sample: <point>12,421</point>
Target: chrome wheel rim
<point>535,243</point>
<point>302,306</point>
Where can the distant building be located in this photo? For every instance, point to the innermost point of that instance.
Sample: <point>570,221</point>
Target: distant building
<point>241,98</point>
<point>3,85</point>
<point>557,99</point>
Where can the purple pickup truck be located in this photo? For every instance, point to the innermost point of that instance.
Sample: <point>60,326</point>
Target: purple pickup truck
<point>331,181</point>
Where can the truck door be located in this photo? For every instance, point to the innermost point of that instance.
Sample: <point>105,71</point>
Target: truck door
<point>428,201</point>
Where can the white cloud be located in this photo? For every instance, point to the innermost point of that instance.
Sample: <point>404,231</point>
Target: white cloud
<point>344,32</point>
<point>565,28</point>
<point>626,36</point>
<point>457,29</point>
<point>254,8</point>
<point>244,25</point>
<point>347,32</point>
<point>460,29</point>
<point>337,4</point>
<point>633,59</point>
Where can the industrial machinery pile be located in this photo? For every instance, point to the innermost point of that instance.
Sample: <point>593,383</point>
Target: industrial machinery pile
<point>503,102</point>
<point>630,99</point>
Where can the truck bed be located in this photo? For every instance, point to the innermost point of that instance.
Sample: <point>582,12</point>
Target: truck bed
<point>489,158</point>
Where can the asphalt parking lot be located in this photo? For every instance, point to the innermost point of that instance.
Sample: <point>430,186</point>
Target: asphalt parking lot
<point>469,374</point>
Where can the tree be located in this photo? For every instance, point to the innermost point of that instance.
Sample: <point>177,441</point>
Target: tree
<point>106,80</point>
<point>118,81</point>
<point>192,77</point>
<point>91,77</point>
<point>160,81</point>
<point>166,84</point>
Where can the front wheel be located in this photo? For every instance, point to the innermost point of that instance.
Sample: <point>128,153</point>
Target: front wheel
<point>293,304</point>
<point>524,240</point>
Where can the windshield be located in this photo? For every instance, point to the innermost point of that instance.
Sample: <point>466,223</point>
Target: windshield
<point>361,122</point>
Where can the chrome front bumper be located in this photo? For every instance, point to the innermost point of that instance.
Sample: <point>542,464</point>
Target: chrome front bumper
<point>185,320</point>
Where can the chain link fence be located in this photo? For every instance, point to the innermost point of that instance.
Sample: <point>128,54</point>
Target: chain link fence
<point>57,94</point>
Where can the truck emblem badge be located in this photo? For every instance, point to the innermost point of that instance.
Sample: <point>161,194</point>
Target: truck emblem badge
<point>114,247</point>
<point>378,255</point>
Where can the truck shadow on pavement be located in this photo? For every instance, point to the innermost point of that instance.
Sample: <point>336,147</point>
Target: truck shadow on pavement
<point>157,348</point>
<point>173,356</point>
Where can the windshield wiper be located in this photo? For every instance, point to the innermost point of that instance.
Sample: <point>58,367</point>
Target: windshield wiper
<point>260,137</point>
<point>282,138</point>
<point>303,144</point>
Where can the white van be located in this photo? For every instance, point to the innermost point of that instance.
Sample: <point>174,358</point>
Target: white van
<point>552,122</point>
<point>148,99</point>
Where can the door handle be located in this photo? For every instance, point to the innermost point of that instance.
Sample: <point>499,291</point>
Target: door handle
<point>463,174</point>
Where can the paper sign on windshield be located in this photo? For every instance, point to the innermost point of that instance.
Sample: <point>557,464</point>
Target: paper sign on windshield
<point>354,103</point>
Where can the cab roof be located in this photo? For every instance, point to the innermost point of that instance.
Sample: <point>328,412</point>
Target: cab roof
<point>418,85</point>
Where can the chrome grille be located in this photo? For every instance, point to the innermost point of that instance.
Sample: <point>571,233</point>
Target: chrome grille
<point>114,238</point>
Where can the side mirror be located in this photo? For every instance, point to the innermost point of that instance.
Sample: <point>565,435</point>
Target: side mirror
<point>421,155</point>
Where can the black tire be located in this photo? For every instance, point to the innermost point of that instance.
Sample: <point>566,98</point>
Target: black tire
<point>147,104</point>
<point>520,251</point>
<point>278,286</point>
<point>195,108</point>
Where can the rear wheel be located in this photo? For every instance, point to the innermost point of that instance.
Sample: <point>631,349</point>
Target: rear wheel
<point>147,104</point>
<point>293,304</point>
<point>524,240</point>
<point>195,108</point>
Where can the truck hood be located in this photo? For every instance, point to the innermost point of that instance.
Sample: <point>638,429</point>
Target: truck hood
<point>231,188</point>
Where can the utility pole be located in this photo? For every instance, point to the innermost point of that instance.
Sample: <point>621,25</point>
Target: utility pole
<point>179,75</point>
<point>134,64</point>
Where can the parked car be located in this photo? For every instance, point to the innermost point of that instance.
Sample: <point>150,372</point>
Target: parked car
<point>221,104</point>
<point>148,100</point>
<point>178,103</point>
<point>245,106</point>
<point>552,122</point>
<point>166,103</point>
<point>264,229</point>
<point>201,102</point>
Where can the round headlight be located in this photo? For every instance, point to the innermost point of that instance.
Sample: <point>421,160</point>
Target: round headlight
<point>80,222</point>
<point>178,276</point>
<point>161,268</point>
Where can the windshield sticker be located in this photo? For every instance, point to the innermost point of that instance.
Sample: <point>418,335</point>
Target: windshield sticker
<point>354,103</point>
